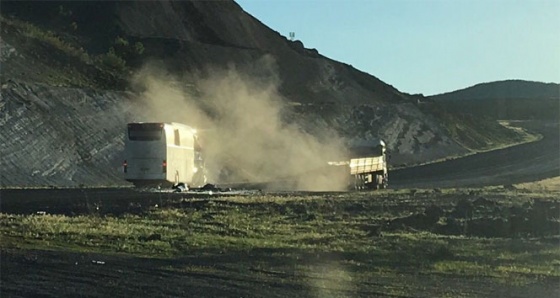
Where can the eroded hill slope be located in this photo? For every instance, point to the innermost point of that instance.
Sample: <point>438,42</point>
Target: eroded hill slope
<point>70,84</point>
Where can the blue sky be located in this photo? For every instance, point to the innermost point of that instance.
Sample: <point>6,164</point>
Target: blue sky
<point>426,46</point>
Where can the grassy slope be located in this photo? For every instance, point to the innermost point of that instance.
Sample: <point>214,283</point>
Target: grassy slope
<point>58,59</point>
<point>358,238</point>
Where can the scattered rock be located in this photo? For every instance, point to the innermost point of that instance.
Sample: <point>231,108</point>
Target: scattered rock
<point>482,202</point>
<point>463,209</point>
<point>152,237</point>
<point>509,187</point>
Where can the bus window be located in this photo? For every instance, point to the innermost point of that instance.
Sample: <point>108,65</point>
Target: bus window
<point>145,131</point>
<point>177,140</point>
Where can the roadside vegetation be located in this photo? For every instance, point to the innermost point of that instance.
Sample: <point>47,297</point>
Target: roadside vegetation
<point>546,185</point>
<point>505,237</point>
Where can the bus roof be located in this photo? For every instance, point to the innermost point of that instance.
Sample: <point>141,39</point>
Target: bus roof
<point>163,124</point>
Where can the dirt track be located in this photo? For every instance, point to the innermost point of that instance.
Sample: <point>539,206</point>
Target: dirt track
<point>517,164</point>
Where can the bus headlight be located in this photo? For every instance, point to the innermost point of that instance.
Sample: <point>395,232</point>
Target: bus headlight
<point>195,170</point>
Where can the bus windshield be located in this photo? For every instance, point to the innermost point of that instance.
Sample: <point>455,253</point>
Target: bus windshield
<point>145,131</point>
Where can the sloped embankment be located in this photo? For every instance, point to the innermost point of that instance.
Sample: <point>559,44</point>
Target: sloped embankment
<point>69,137</point>
<point>412,136</point>
<point>60,136</point>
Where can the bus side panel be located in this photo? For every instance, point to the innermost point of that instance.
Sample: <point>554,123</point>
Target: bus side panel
<point>180,164</point>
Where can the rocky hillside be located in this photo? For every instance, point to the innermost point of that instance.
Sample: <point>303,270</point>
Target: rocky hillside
<point>74,73</point>
<point>70,141</point>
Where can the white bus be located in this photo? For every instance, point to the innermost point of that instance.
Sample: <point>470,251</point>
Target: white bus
<point>163,154</point>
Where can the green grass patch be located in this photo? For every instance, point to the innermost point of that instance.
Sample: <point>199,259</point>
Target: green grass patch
<point>356,228</point>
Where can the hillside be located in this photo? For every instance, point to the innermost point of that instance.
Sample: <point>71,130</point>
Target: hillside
<point>187,37</point>
<point>74,73</point>
<point>511,89</point>
<point>511,99</point>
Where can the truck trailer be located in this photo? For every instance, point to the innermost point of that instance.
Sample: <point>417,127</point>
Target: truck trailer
<point>366,166</point>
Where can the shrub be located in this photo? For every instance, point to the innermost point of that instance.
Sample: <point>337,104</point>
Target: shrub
<point>139,48</point>
<point>114,61</point>
<point>120,41</point>
<point>49,38</point>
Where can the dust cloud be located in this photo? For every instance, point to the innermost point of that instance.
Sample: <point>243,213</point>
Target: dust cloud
<point>329,279</point>
<point>241,120</point>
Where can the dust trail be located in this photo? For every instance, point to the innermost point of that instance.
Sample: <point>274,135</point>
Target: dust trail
<point>329,279</point>
<point>240,116</point>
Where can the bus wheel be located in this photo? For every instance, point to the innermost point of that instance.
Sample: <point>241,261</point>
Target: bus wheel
<point>180,187</point>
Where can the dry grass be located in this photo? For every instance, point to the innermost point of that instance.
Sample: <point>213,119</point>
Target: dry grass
<point>547,185</point>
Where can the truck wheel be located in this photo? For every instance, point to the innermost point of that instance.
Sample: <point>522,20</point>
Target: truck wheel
<point>385,181</point>
<point>362,182</point>
<point>378,181</point>
<point>358,182</point>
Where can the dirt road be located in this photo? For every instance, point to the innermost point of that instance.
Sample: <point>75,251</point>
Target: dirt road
<point>517,164</point>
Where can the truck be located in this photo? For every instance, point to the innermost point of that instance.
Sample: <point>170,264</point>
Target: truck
<point>366,166</point>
